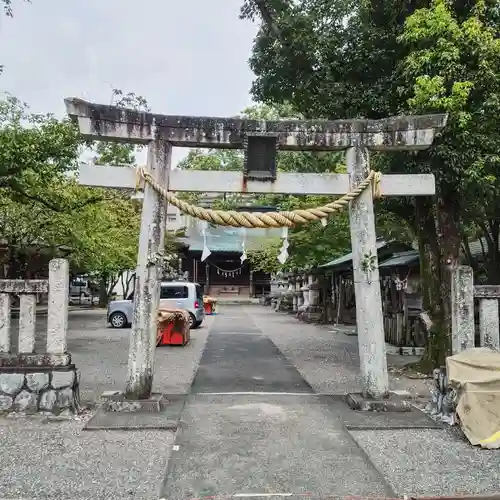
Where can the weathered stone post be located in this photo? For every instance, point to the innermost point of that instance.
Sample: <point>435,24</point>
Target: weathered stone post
<point>147,284</point>
<point>57,320</point>
<point>305,294</point>
<point>462,309</point>
<point>295,299</point>
<point>369,320</point>
<point>27,322</point>
<point>489,323</point>
<point>4,323</point>
<point>300,295</point>
<point>30,380</point>
<point>313,291</point>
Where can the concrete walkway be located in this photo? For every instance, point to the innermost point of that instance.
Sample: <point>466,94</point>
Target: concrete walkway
<point>253,425</point>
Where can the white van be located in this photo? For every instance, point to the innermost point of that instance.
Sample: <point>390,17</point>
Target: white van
<point>173,295</point>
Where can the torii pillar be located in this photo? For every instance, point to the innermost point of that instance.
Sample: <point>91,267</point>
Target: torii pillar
<point>259,140</point>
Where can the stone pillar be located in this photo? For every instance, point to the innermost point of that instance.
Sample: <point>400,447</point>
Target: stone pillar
<point>369,320</point>
<point>149,264</point>
<point>300,295</point>
<point>305,294</point>
<point>4,323</point>
<point>57,320</point>
<point>250,283</point>
<point>310,281</point>
<point>27,323</point>
<point>462,309</point>
<point>295,300</point>
<point>489,323</point>
<point>314,288</point>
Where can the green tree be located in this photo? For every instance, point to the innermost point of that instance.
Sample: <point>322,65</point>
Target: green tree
<point>111,253</point>
<point>38,159</point>
<point>340,58</point>
<point>42,204</point>
<point>453,66</point>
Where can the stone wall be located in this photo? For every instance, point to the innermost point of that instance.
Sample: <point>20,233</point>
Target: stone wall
<point>44,381</point>
<point>50,390</point>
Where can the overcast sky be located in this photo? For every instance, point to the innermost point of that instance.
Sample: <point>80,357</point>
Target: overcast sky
<point>187,57</point>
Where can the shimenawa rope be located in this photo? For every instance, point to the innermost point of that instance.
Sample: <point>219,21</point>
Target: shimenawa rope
<point>268,219</point>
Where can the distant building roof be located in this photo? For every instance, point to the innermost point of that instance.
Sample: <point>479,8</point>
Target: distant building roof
<point>348,258</point>
<point>401,259</point>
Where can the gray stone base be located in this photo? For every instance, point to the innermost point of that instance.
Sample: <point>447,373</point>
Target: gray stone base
<point>116,401</point>
<point>167,418</point>
<point>41,389</point>
<point>311,315</point>
<point>393,403</point>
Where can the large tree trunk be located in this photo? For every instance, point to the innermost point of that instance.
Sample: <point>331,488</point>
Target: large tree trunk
<point>430,271</point>
<point>439,246</point>
<point>103,291</point>
<point>492,261</point>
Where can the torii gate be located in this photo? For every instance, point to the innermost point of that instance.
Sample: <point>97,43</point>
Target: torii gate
<point>260,140</point>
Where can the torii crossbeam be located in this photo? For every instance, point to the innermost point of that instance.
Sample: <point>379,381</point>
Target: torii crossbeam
<point>260,140</point>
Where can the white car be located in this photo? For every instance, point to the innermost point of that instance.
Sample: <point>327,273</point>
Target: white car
<point>173,295</point>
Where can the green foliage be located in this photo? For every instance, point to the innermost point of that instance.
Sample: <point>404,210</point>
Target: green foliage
<point>265,258</point>
<point>42,205</point>
<point>35,151</point>
<point>373,59</point>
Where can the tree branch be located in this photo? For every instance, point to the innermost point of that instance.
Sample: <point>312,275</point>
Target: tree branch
<point>59,208</point>
<point>265,12</point>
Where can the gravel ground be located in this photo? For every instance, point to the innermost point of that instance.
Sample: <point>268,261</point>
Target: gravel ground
<point>41,459</point>
<point>430,462</point>
<point>56,460</point>
<point>101,354</point>
<point>325,356</point>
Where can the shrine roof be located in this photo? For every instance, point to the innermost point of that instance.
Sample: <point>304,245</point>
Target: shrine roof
<point>346,259</point>
<point>401,259</point>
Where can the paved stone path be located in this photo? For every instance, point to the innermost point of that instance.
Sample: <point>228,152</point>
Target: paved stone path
<point>252,425</point>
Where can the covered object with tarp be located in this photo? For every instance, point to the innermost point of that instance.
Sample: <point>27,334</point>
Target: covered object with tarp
<point>475,375</point>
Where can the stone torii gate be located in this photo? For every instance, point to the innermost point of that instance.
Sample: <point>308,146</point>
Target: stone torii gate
<point>260,140</point>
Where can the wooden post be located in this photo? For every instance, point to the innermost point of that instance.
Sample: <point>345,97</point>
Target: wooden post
<point>149,265</point>
<point>462,309</point>
<point>369,320</point>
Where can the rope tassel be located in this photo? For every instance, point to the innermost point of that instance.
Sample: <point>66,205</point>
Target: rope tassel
<point>267,219</point>
<point>206,251</point>
<point>243,257</point>
<point>283,255</point>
